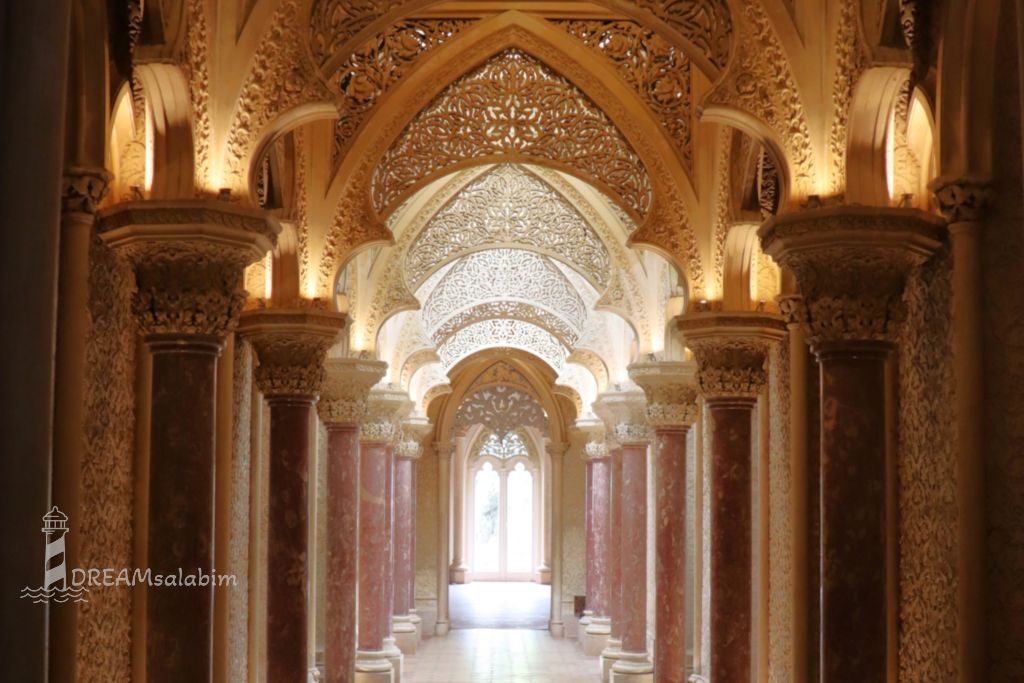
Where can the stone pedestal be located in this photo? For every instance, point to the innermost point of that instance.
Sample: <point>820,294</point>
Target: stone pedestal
<point>342,407</point>
<point>290,345</point>
<point>851,263</point>
<point>731,350</point>
<point>671,391</point>
<point>188,259</point>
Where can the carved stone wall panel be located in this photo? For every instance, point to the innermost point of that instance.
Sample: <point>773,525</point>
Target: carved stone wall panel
<point>108,467</point>
<point>780,531</point>
<point>238,553</point>
<point>927,476</point>
<point>508,206</point>
<point>198,77</point>
<point>657,71</point>
<point>512,105</point>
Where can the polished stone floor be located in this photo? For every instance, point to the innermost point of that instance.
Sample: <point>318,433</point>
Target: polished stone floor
<point>500,656</point>
<point>500,604</point>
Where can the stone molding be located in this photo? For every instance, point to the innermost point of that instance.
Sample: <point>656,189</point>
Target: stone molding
<point>346,389</point>
<point>83,188</point>
<point>671,391</point>
<point>852,263</point>
<point>188,259</point>
<point>291,345</point>
<point>731,350</point>
<point>963,199</point>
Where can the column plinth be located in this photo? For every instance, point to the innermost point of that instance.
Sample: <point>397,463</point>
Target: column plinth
<point>731,350</point>
<point>671,391</point>
<point>342,407</point>
<point>290,345</point>
<point>852,264</point>
<point>188,258</point>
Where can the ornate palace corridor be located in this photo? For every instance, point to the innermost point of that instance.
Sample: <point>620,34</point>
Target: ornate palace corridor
<point>468,341</point>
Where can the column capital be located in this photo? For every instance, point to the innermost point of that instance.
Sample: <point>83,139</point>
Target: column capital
<point>596,447</point>
<point>556,448</point>
<point>852,264</point>
<point>346,389</point>
<point>624,411</point>
<point>83,188</point>
<point>671,391</point>
<point>290,344</point>
<point>385,407</point>
<point>444,449</point>
<point>188,258</point>
<point>792,309</point>
<point>731,350</point>
<point>963,200</point>
<point>410,443</point>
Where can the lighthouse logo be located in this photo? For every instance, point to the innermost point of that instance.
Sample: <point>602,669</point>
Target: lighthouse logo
<point>55,573</point>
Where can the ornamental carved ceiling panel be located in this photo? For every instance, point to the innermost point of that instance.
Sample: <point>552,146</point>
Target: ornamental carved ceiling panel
<point>501,409</point>
<point>657,71</point>
<point>503,275</point>
<point>514,310</point>
<point>512,105</point>
<point>502,372</point>
<point>508,206</point>
<point>705,23</point>
<point>498,333</point>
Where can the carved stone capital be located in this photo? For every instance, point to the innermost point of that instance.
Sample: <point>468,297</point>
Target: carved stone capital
<point>556,449</point>
<point>444,449</point>
<point>408,449</point>
<point>290,345</point>
<point>852,264</point>
<point>596,450</point>
<point>188,258</point>
<point>625,414</point>
<point>964,199</point>
<point>346,388</point>
<point>386,406</point>
<point>731,350</point>
<point>671,391</point>
<point>792,309</point>
<point>83,188</point>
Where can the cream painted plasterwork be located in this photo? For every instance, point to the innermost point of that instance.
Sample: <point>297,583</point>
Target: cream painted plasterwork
<point>512,105</point>
<point>508,206</point>
<point>498,333</point>
<point>514,310</point>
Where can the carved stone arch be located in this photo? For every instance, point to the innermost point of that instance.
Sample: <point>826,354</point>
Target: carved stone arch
<point>869,163</point>
<point>414,362</point>
<point>170,162</point>
<point>594,363</point>
<point>701,28</point>
<point>284,273</point>
<point>126,154</point>
<point>162,30</point>
<point>277,128</point>
<point>741,244</point>
<point>667,223</point>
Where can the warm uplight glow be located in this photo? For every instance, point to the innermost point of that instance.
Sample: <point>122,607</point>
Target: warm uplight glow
<point>268,276</point>
<point>309,285</point>
<point>150,142</point>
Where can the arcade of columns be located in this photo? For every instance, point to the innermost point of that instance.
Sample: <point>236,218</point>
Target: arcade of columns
<point>852,442</point>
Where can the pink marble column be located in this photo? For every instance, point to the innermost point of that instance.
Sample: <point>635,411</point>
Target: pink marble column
<point>671,391</point>
<point>852,263</point>
<point>373,557</point>
<point>342,406</point>
<point>290,345</point>
<point>589,530</point>
<point>188,258</point>
<point>598,630</point>
<point>633,662</point>
<point>614,565</point>
<point>731,350</point>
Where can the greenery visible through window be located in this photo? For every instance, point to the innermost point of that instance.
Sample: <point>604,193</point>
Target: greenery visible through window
<point>510,446</point>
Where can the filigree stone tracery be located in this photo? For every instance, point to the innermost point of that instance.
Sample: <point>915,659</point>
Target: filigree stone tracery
<point>512,105</point>
<point>503,333</point>
<point>501,410</point>
<point>509,310</point>
<point>508,206</point>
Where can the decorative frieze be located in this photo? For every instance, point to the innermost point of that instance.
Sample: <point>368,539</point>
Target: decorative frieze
<point>291,345</point>
<point>188,258</point>
<point>731,350</point>
<point>852,264</point>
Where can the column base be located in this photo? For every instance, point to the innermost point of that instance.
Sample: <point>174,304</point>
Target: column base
<point>417,623</point>
<point>557,629</point>
<point>543,575</point>
<point>611,654</point>
<point>633,667</point>
<point>441,628</point>
<point>373,666</point>
<point>406,638</point>
<point>583,623</point>
<point>595,637</point>
<point>457,573</point>
<point>394,656</point>
<point>315,675</point>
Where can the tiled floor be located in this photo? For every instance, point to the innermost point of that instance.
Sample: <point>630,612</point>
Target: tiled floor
<point>500,604</point>
<point>500,656</point>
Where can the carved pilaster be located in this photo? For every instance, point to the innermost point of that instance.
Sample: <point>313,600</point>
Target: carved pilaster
<point>291,344</point>
<point>731,350</point>
<point>671,391</point>
<point>346,389</point>
<point>852,263</point>
<point>83,188</point>
<point>188,259</point>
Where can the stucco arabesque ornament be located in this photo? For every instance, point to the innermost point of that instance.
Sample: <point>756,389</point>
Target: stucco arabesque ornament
<point>731,350</point>
<point>290,344</point>
<point>671,391</point>
<point>852,264</point>
<point>188,258</point>
<point>346,389</point>
<point>502,409</point>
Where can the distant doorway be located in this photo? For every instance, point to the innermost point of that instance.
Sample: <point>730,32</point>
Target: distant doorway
<point>500,604</point>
